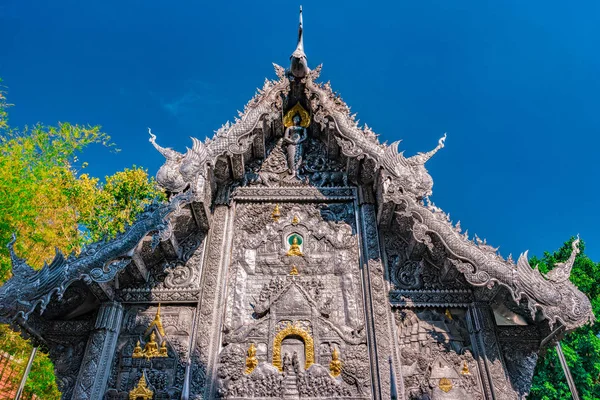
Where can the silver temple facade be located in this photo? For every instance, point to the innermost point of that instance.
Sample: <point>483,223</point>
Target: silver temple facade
<point>297,257</point>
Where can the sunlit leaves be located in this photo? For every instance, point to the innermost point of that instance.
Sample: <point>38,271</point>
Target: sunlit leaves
<point>49,203</point>
<point>41,380</point>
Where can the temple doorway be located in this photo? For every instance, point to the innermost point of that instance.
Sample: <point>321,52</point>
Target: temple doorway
<point>293,346</point>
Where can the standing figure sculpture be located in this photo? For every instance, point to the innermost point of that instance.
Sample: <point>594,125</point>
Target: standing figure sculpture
<point>293,138</point>
<point>287,364</point>
<point>296,363</point>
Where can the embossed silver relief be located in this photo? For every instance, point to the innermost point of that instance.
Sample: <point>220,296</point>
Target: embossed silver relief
<point>437,355</point>
<point>314,166</point>
<point>294,303</point>
<point>157,342</point>
<point>66,352</point>
<point>480,264</point>
<point>99,353</point>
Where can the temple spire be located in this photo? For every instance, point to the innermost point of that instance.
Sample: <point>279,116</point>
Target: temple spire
<point>300,45</point>
<point>299,64</point>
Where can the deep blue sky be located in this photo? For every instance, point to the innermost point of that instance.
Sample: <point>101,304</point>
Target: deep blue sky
<point>515,84</point>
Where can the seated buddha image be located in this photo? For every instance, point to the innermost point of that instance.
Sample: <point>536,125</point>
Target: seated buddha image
<point>138,352</point>
<point>295,242</point>
<point>151,348</point>
<point>162,352</point>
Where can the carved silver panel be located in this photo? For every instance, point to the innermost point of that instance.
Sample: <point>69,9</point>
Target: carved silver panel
<point>294,300</point>
<point>165,374</point>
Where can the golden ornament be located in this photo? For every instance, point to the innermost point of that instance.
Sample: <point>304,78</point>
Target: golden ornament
<point>335,366</point>
<point>276,213</point>
<point>445,385</point>
<point>251,360</point>
<point>288,119</point>
<point>141,390</point>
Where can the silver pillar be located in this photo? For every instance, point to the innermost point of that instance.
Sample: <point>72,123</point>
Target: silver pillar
<point>99,353</point>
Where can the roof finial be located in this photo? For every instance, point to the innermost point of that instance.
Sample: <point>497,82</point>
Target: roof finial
<point>299,65</point>
<point>300,44</point>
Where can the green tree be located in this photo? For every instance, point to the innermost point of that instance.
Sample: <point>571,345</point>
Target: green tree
<point>49,204</point>
<point>3,113</point>
<point>582,346</point>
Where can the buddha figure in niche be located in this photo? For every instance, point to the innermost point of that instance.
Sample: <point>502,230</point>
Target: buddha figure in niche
<point>163,349</point>
<point>295,249</point>
<point>335,366</point>
<point>251,360</point>
<point>137,351</point>
<point>151,348</point>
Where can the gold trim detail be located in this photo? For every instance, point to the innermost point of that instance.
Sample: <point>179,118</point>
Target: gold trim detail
<point>297,109</point>
<point>294,270</point>
<point>141,390</point>
<point>276,213</point>
<point>251,360</point>
<point>151,348</point>
<point>156,322</point>
<point>448,314</point>
<point>465,369</point>
<point>445,385</point>
<point>295,220</point>
<point>289,330</point>
<point>335,366</point>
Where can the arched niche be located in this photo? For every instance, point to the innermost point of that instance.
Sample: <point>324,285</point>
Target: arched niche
<point>293,331</point>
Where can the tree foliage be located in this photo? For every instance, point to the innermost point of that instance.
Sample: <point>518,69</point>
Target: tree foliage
<point>41,380</point>
<point>49,204</point>
<point>581,347</point>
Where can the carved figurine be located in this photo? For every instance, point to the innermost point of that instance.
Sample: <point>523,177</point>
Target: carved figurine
<point>295,362</point>
<point>330,178</point>
<point>293,138</point>
<point>162,352</point>
<point>287,363</point>
<point>276,213</point>
<point>251,360</point>
<point>335,366</point>
<point>151,348</point>
<point>137,351</point>
<point>465,369</point>
<point>294,248</point>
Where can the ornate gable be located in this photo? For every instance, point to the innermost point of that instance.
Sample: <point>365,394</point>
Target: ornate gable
<point>294,231</point>
<point>253,152</point>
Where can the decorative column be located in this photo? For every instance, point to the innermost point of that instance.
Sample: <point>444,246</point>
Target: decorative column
<point>494,376</point>
<point>209,309</point>
<point>378,312</point>
<point>99,353</point>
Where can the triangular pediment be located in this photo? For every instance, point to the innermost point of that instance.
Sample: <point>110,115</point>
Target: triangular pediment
<point>292,299</point>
